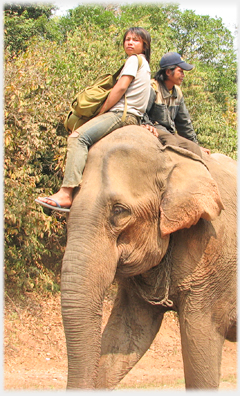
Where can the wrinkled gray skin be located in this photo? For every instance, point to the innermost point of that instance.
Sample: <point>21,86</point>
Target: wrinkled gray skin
<point>134,195</point>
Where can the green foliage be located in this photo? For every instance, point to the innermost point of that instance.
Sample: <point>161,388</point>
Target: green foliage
<point>31,11</point>
<point>31,133</point>
<point>213,112</point>
<point>201,38</point>
<point>96,15</point>
<point>47,61</point>
<point>24,22</point>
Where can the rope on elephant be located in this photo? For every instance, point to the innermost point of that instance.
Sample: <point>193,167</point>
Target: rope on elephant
<point>150,286</point>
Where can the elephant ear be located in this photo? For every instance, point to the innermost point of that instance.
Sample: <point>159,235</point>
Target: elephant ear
<point>191,193</point>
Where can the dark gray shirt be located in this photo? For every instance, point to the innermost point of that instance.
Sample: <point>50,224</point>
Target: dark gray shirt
<point>167,109</point>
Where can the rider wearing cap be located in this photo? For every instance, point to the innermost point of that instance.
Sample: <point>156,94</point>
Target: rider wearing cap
<point>166,111</point>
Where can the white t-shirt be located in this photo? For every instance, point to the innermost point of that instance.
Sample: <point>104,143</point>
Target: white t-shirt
<point>139,89</point>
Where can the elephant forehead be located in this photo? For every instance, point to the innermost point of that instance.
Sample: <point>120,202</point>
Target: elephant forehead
<point>126,167</point>
<point>128,160</point>
<point>131,143</point>
<point>129,138</point>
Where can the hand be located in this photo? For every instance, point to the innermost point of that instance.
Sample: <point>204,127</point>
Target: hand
<point>205,150</point>
<point>151,129</point>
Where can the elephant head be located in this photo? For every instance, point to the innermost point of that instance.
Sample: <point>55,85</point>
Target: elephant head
<point>134,194</point>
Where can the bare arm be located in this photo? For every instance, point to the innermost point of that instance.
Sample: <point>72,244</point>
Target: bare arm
<point>116,93</point>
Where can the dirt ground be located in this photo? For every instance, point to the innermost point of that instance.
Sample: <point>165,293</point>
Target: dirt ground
<point>35,352</point>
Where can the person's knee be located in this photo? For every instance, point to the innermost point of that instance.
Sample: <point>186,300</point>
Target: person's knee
<point>191,146</point>
<point>166,138</point>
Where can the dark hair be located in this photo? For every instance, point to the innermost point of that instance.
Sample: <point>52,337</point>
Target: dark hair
<point>145,37</point>
<point>161,73</point>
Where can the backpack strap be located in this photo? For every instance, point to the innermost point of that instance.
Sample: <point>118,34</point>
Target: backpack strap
<point>125,98</point>
<point>139,61</point>
<point>115,75</point>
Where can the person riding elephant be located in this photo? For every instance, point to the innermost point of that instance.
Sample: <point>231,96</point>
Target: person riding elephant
<point>133,85</point>
<point>166,111</point>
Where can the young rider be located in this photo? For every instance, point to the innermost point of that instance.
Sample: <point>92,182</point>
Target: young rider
<point>133,82</point>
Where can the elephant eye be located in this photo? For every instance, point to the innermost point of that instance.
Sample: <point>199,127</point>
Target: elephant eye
<point>118,214</point>
<point>117,210</point>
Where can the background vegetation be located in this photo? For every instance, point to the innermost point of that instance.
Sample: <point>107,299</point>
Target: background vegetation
<point>48,59</point>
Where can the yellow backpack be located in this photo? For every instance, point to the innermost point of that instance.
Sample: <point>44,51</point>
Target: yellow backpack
<point>87,104</point>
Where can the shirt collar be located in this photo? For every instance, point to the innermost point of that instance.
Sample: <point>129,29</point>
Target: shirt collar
<point>166,93</point>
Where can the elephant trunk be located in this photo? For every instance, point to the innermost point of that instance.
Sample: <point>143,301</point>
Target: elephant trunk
<point>87,272</point>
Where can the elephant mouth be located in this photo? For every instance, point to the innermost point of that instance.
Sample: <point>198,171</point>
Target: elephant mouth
<point>134,262</point>
<point>154,285</point>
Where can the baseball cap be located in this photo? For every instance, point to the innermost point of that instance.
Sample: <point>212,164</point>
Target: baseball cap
<point>173,58</point>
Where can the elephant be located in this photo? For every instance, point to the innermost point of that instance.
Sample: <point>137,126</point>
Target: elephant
<point>161,222</point>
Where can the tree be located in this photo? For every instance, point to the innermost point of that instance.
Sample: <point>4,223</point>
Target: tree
<point>32,11</point>
<point>23,22</point>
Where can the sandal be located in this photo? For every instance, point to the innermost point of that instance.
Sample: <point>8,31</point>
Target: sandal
<point>58,207</point>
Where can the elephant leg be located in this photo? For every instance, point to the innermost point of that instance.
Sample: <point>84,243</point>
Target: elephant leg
<point>131,328</point>
<point>201,350</point>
